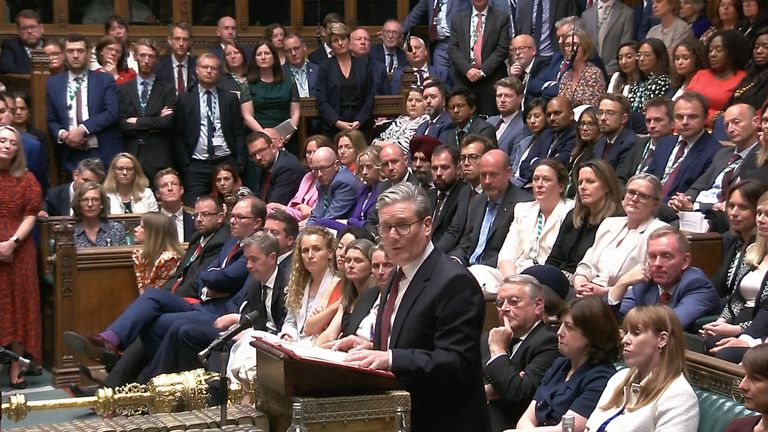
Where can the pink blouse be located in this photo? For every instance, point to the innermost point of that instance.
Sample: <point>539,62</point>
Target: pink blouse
<point>307,194</point>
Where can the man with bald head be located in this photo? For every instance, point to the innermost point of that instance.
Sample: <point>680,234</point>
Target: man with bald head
<point>490,213</point>
<point>417,56</point>
<point>555,142</point>
<point>360,47</point>
<point>336,187</point>
<point>728,164</point>
<point>523,62</point>
<point>226,31</point>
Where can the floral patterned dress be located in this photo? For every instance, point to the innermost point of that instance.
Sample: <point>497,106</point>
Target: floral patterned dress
<point>587,90</point>
<point>154,274</point>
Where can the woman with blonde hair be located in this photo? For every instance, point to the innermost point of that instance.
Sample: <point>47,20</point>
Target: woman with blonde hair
<point>652,394</point>
<point>583,83</point>
<point>314,289</point>
<point>127,187</point>
<point>742,322</point>
<point>157,259</point>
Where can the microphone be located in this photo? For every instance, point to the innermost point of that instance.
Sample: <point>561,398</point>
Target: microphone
<point>246,322</point>
<point>408,45</point>
<point>23,362</point>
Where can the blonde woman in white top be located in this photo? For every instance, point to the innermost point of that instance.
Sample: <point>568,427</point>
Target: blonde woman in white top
<point>652,394</point>
<point>536,224</point>
<point>620,242</point>
<point>127,187</point>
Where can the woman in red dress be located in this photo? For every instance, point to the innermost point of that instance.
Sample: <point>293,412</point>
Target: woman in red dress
<point>20,201</point>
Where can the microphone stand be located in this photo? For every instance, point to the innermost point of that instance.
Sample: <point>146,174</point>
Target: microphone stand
<point>223,350</point>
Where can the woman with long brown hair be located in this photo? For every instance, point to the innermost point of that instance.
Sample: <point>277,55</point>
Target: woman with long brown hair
<point>157,258</point>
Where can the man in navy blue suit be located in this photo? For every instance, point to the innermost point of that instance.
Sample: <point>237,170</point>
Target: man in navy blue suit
<point>389,53</point>
<point>178,68</point>
<point>360,47</point>
<point>83,109</point>
<point>281,172</point>
<point>16,52</point>
<point>336,187</point>
<point>679,160</point>
<point>417,55</point>
<point>618,138</point>
<point>303,72</point>
<point>556,142</point>
<point>666,278</point>
<point>439,119</point>
<point>58,200</point>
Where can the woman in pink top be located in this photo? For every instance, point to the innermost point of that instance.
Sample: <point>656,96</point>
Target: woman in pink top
<point>728,53</point>
<point>302,203</point>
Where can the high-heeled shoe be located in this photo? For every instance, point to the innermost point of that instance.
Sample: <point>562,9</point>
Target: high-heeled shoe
<point>20,383</point>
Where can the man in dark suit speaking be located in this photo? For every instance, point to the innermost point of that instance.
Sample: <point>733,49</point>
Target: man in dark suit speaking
<point>428,326</point>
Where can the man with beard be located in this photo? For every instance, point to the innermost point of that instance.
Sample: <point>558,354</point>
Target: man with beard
<point>449,214</point>
<point>281,172</point>
<point>16,52</point>
<point>421,148</point>
<point>439,119</point>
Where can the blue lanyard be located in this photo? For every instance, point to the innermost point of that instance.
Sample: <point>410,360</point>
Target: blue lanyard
<point>610,419</point>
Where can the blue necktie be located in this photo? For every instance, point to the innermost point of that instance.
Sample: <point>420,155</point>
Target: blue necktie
<point>513,16</point>
<point>537,23</point>
<point>211,125</point>
<point>490,215</point>
<point>144,96</point>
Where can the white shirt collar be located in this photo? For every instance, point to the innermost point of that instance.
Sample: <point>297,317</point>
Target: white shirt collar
<point>282,257</point>
<point>271,281</point>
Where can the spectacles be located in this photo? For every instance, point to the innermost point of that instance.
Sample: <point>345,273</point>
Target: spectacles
<point>402,229</point>
<point>511,302</point>
<point>90,200</point>
<point>239,219</point>
<point>642,197</point>
<point>473,158</point>
<point>318,170</point>
<point>203,214</point>
<point>520,49</point>
<point>587,125</point>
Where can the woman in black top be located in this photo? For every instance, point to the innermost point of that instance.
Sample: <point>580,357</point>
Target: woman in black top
<point>597,197</point>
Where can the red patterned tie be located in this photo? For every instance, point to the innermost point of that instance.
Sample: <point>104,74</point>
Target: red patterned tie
<point>477,48</point>
<point>180,79</point>
<point>665,296</point>
<point>389,309</point>
<point>728,176</point>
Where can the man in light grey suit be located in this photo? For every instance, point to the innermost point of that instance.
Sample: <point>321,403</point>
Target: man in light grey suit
<point>509,124</point>
<point>609,23</point>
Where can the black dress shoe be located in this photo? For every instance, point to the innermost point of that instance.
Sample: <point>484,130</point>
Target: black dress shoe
<point>94,347</point>
<point>75,390</point>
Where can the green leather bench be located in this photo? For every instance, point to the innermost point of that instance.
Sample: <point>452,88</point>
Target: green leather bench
<point>717,411</point>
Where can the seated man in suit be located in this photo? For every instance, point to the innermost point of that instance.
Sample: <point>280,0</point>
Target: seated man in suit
<point>336,187</point>
<point>555,142</point>
<point>462,105</point>
<point>418,57</point>
<point>523,64</point>
<point>659,113</point>
<point>490,213</point>
<point>546,84</point>
<point>439,119</point>
<point>146,113</point>
<point>83,109</point>
<point>303,72</point>
<point>421,159</point>
<point>265,285</point>
<point>446,198</point>
<point>666,278</point>
<point>16,52</point>
<point>711,188</point>
<point>281,172</point>
<point>521,349</point>
<point>679,160</point>
<point>510,124</point>
<point>472,149</point>
<point>618,138</point>
<point>58,200</point>
<point>179,67</point>
<point>394,167</point>
<point>169,191</point>
<point>388,52</point>
<point>285,228</point>
<point>209,129</point>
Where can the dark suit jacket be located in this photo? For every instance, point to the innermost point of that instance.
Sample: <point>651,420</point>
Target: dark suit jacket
<point>382,85</point>
<point>312,70</point>
<point>478,126</point>
<point>542,149</point>
<point>434,72</point>
<point>14,58</point>
<point>189,225</point>
<point>377,55</point>
<point>499,229</point>
<point>251,296</point>
<point>328,91</point>
<point>350,321</point>
<point>229,278</point>
<point>435,346</point>
<point>190,271</point>
<point>285,176</point>
<point>57,200</point>
<point>693,297</point>
<point>416,16</point>
<point>342,193</point>
<point>632,160</point>
<point>719,163</point>
<point>318,56</point>
<point>454,208</point>
<point>622,145</point>
<point>436,128</point>
<point>723,280</point>
<point>165,72</point>
<point>150,138</point>
<point>644,19</point>
<point>694,164</point>
<point>557,9</point>
<point>187,125</point>
<point>103,113</point>
<point>516,378</point>
<point>372,221</point>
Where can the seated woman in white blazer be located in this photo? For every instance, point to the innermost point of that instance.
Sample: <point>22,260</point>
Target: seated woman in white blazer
<point>620,242</point>
<point>652,394</point>
<point>127,187</point>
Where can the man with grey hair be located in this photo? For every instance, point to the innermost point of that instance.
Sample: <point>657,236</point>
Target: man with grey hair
<point>428,327</point>
<point>418,65</point>
<point>58,200</point>
<point>521,350</point>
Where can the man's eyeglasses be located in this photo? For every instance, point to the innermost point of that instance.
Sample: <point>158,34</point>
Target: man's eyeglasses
<point>402,229</point>
<point>473,158</point>
<point>204,214</point>
<point>238,219</point>
<point>511,302</point>
<point>318,170</point>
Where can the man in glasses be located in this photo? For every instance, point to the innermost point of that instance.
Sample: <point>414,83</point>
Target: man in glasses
<point>336,187</point>
<point>618,138</point>
<point>389,51</point>
<point>280,173</point>
<point>472,149</point>
<point>523,63</point>
<point>16,56</point>
<point>303,72</point>
<point>428,327</point>
<point>394,167</point>
<point>521,349</point>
